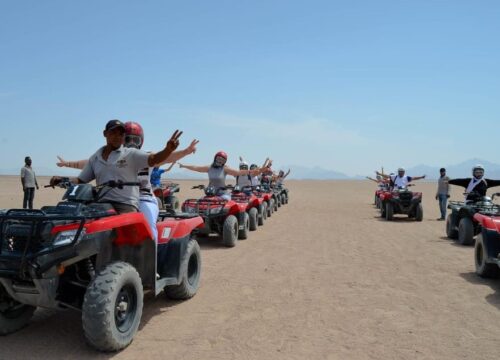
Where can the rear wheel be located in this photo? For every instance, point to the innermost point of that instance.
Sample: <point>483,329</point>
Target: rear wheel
<point>172,202</point>
<point>190,271</point>
<point>382,209</point>
<point>112,307</point>
<point>465,231</point>
<point>230,231</point>
<point>245,224</point>
<point>483,268</point>
<point>252,215</point>
<point>419,213</point>
<point>389,211</point>
<point>13,315</point>
<point>451,232</point>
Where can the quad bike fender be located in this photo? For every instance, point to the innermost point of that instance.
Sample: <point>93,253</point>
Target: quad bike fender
<point>131,229</point>
<point>169,258</point>
<point>488,222</point>
<point>491,241</point>
<point>236,208</point>
<point>173,229</point>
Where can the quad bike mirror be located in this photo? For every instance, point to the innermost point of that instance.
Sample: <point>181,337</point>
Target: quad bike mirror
<point>493,196</point>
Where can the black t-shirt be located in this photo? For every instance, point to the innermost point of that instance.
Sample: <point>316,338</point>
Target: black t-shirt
<point>480,188</point>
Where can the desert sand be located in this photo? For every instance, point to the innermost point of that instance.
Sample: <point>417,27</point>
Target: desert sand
<point>324,278</point>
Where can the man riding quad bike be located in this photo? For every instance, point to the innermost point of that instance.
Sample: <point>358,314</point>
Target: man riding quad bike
<point>227,218</point>
<point>81,254</point>
<point>460,224</point>
<point>401,201</point>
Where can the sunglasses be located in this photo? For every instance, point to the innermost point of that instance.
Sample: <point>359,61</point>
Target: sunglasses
<point>243,167</point>
<point>219,160</point>
<point>133,140</point>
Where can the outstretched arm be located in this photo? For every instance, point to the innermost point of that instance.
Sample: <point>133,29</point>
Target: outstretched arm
<point>177,155</point>
<point>383,175</point>
<point>372,179</point>
<point>418,177</point>
<point>202,169</point>
<point>287,173</point>
<point>170,167</point>
<point>78,164</point>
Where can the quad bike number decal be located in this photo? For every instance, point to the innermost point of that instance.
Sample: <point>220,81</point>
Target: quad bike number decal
<point>75,188</point>
<point>166,233</point>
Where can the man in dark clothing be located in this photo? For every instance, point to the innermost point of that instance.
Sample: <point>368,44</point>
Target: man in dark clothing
<point>475,186</point>
<point>28,181</point>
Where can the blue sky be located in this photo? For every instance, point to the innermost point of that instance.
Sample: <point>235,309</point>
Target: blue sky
<point>345,85</point>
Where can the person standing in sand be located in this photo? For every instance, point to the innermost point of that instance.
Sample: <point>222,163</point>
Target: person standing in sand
<point>443,192</point>
<point>28,181</point>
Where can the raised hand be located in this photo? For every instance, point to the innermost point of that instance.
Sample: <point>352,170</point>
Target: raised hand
<point>192,147</point>
<point>173,143</point>
<point>62,162</point>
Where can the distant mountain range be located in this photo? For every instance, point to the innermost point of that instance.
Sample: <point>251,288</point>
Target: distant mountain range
<point>462,169</point>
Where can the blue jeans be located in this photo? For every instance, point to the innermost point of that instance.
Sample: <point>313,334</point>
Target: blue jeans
<point>443,201</point>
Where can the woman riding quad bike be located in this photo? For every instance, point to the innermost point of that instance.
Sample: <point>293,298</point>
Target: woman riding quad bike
<point>217,172</point>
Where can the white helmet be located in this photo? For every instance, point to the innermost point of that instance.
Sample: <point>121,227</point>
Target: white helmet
<point>243,165</point>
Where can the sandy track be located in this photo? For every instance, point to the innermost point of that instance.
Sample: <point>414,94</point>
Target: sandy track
<point>325,278</point>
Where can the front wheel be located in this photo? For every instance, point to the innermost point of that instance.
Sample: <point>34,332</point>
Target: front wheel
<point>230,231</point>
<point>244,226</point>
<point>389,211</point>
<point>483,268</point>
<point>252,215</point>
<point>419,213</point>
<point>13,315</point>
<point>465,231</point>
<point>262,213</point>
<point>270,208</point>
<point>190,272</point>
<point>112,307</point>
<point>451,232</point>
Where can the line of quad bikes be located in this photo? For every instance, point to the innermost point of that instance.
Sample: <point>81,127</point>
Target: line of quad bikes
<point>81,255</point>
<point>475,221</point>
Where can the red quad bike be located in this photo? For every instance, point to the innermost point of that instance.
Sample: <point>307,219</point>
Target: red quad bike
<point>82,255</point>
<point>267,198</point>
<point>402,201</point>
<point>381,189</point>
<point>460,223</point>
<point>281,194</point>
<point>165,196</point>
<point>487,247</point>
<point>255,205</point>
<point>272,198</point>
<point>227,218</point>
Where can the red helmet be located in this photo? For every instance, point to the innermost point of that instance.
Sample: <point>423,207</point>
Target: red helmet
<point>221,154</point>
<point>218,163</point>
<point>134,135</point>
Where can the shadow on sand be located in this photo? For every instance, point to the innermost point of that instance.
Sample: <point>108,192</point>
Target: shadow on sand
<point>494,284</point>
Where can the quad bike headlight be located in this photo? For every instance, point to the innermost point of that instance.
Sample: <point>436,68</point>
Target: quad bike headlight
<point>67,237</point>
<point>215,210</point>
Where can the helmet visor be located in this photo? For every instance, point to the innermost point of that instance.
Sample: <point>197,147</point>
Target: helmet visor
<point>219,161</point>
<point>133,141</point>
